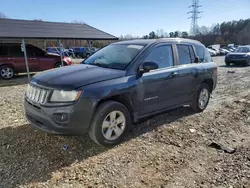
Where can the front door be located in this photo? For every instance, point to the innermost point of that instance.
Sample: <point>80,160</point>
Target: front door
<point>33,61</point>
<point>157,88</point>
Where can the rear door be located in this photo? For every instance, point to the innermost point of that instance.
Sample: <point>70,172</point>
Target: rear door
<point>5,58</point>
<point>191,74</point>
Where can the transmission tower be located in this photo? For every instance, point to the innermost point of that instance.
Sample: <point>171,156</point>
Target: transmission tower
<point>194,30</point>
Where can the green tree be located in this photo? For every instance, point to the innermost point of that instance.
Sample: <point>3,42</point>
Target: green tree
<point>176,34</point>
<point>152,35</point>
<point>184,34</point>
<point>171,35</point>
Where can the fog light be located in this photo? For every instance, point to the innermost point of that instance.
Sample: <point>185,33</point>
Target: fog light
<point>61,117</point>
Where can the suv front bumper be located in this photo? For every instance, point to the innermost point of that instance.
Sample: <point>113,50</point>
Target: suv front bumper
<point>46,119</point>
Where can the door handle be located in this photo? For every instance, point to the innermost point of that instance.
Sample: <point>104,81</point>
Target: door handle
<point>173,74</point>
<point>10,58</point>
<point>33,58</point>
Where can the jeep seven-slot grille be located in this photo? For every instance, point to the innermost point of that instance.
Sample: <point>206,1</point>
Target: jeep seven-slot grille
<point>36,94</point>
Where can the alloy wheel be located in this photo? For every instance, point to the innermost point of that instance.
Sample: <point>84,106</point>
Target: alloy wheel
<point>203,98</point>
<point>113,125</point>
<point>7,72</point>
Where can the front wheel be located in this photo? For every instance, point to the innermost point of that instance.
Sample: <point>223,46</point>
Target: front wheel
<point>6,72</point>
<point>59,64</point>
<point>110,124</point>
<point>247,63</point>
<point>201,98</point>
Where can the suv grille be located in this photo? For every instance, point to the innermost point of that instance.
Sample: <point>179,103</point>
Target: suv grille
<point>36,94</point>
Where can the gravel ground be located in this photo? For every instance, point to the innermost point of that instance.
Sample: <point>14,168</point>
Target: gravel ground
<point>168,150</point>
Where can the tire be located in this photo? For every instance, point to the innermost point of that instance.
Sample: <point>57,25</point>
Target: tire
<point>247,63</point>
<point>196,106</point>
<point>59,64</point>
<point>99,131</point>
<point>7,72</point>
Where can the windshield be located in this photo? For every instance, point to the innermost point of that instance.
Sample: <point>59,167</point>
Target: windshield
<point>243,49</point>
<point>115,56</point>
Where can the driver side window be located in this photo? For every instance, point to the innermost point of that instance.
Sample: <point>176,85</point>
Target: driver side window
<point>163,55</point>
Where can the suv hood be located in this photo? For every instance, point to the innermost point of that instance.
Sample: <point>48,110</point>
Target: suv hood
<point>72,77</point>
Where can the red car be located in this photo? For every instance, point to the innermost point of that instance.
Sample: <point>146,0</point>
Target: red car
<point>12,59</point>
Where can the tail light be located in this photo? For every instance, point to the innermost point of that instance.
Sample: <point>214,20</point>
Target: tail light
<point>68,60</point>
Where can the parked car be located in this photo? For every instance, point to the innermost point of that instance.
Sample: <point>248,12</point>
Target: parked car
<point>241,56</point>
<point>12,60</point>
<point>120,84</point>
<point>231,48</point>
<point>212,52</point>
<point>56,50</point>
<point>81,52</point>
<point>225,51</point>
<point>217,51</point>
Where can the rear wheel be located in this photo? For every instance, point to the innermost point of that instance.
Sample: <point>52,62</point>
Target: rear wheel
<point>110,124</point>
<point>6,72</point>
<point>201,98</point>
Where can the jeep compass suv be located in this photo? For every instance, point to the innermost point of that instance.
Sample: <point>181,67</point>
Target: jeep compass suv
<point>120,84</point>
<point>12,60</point>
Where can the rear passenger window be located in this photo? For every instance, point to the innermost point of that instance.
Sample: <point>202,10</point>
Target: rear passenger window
<point>3,50</point>
<point>16,51</point>
<point>163,55</point>
<point>185,54</point>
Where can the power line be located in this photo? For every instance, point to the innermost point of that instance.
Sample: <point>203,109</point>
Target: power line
<point>194,17</point>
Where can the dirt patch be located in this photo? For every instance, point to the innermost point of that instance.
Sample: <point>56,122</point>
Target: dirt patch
<point>168,150</point>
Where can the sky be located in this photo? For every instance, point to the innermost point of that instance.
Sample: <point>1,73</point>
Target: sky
<point>121,17</point>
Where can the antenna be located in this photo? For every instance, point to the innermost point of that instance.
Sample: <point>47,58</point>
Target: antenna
<point>194,29</point>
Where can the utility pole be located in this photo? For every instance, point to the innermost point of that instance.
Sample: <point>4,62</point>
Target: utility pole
<point>194,29</point>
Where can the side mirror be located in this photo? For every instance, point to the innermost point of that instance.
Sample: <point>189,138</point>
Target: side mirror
<point>148,66</point>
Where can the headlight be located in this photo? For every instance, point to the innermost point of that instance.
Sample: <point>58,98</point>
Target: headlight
<point>65,96</point>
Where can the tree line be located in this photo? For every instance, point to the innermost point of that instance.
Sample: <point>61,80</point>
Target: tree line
<point>231,32</point>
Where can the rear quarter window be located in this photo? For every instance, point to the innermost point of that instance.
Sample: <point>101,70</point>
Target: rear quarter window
<point>203,54</point>
<point>207,56</point>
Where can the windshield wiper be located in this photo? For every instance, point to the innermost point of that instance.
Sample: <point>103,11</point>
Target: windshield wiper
<point>100,65</point>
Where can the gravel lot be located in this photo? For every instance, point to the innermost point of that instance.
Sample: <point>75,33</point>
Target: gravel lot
<point>168,150</point>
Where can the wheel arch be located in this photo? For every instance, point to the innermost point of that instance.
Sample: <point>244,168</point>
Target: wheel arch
<point>64,63</point>
<point>8,64</point>
<point>124,99</point>
<point>210,83</point>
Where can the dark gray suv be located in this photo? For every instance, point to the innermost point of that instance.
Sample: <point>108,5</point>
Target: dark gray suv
<point>120,84</point>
